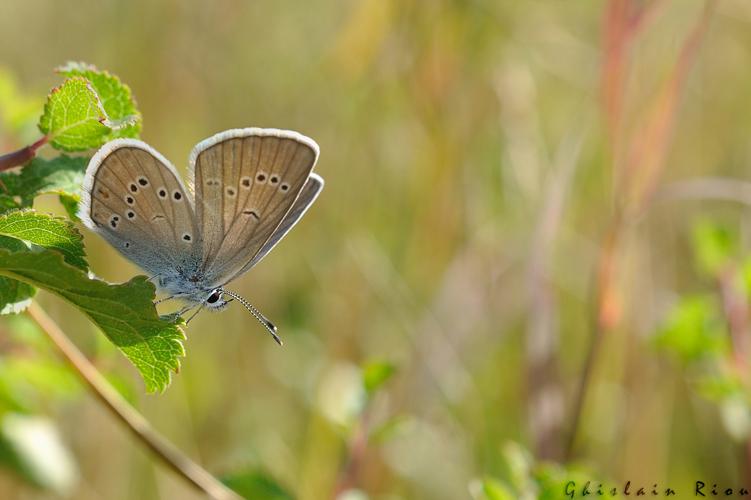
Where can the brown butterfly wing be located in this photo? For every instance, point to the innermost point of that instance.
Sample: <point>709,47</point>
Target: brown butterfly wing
<point>245,182</point>
<point>135,199</point>
<point>308,195</point>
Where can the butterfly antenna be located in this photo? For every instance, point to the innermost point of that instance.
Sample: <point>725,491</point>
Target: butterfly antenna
<point>257,314</point>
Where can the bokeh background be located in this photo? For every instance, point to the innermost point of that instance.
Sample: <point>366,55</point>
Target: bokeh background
<point>535,213</point>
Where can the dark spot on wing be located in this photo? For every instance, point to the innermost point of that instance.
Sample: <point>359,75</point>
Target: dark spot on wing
<point>252,213</point>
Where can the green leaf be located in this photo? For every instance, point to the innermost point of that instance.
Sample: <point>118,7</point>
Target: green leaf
<point>389,429</point>
<point>519,464</point>
<point>745,275</point>
<point>714,246</point>
<point>62,175</point>
<point>116,98</point>
<point>15,296</point>
<point>20,227</point>
<point>37,378</point>
<point>46,231</point>
<point>32,447</point>
<point>74,117</point>
<point>375,374</point>
<point>492,489</point>
<point>555,482</point>
<point>721,386</point>
<point>125,312</point>
<point>32,382</point>
<point>256,484</point>
<point>694,329</point>
<point>70,204</point>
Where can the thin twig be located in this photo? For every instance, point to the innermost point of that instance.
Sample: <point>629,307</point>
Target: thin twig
<point>707,188</point>
<point>735,308</point>
<point>606,312</point>
<point>623,21</point>
<point>356,450</point>
<point>390,288</point>
<point>134,421</point>
<point>736,311</point>
<point>643,163</point>
<point>545,398</point>
<point>21,156</point>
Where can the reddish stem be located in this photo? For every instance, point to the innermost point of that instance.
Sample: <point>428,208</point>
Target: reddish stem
<point>21,156</point>
<point>356,451</point>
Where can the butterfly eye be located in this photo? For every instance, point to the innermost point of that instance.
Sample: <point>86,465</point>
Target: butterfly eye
<point>214,297</point>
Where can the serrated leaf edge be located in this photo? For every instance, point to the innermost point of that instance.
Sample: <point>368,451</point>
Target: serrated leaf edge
<point>80,66</point>
<point>173,366</point>
<point>97,102</point>
<point>104,119</point>
<point>69,225</point>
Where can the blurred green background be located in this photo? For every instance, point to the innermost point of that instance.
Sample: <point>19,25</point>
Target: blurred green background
<point>512,188</point>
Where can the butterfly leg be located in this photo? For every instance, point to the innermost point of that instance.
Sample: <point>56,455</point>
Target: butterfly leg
<point>164,299</point>
<point>184,310</point>
<point>152,278</point>
<point>194,314</point>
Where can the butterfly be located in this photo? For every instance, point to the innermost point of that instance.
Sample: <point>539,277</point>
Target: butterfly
<point>248,188</point>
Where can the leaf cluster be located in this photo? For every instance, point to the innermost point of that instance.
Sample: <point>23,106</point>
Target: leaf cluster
<point>703,329</point>
<point>38,251</point>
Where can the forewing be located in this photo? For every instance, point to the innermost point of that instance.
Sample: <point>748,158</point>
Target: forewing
<point>135,199</point>
<point>245,182</point>
<point>308,195</point>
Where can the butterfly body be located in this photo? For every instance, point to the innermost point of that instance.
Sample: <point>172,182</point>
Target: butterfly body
<point>185,281</point>
<point>249,187</point>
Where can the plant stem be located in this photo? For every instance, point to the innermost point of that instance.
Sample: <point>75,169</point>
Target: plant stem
<point>606,311</point>
<point>639,168</point>
<point>736,311</point>
<point>21,156</point>
<point>545,393</point>
<point>134,421</point>
<point>356,450</point>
